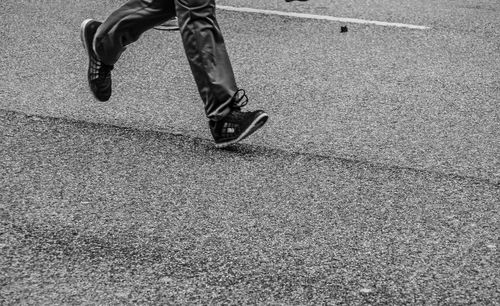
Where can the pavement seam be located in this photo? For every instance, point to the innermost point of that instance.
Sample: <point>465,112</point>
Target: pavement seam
<point>270,150</point>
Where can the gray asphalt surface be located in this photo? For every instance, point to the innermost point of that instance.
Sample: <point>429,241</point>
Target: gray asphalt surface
<point>422,99</point>
<point>100,214</point>
<point>375,182</point>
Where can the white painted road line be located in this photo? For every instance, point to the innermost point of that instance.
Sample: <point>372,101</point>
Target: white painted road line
<point>321,17</point>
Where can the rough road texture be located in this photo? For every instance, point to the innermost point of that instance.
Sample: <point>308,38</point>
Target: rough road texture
<point>99,214</point>
<point>376,180</point>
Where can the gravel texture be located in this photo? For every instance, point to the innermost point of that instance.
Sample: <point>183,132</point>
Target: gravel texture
<point>421,99</point>
<point>99,214</point>
<point>376,180</point>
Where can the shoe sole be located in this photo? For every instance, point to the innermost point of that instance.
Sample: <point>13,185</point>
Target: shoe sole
<point>83,26</point>
<point>82,35</point>
<point>170,25</point>
<point>88,49</point>
<point>254,126</point>
<point>167,28</point>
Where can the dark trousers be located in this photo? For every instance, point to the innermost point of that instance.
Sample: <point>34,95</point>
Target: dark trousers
<point>201,37</point>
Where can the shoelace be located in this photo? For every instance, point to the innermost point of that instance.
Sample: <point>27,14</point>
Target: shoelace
<point>99,70</point>
<point>104,70</point>
<point>240,98</point>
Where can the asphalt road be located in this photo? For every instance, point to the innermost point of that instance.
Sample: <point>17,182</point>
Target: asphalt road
<point>376,180</point>
<point>422,99</point>
<point>103,215</point>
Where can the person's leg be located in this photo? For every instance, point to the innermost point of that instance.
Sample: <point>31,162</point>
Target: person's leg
<point>125,25</point>
<point>207,55</point>
<point>213,73</point>
<point>105,42</point>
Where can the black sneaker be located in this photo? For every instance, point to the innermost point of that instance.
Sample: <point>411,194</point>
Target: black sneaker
<point>237,125</point>
<point>99,74</point>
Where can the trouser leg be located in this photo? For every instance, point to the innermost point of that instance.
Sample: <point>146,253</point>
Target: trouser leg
<point>127,23</point>
<point>201,36</point>
<point>207,55</point>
